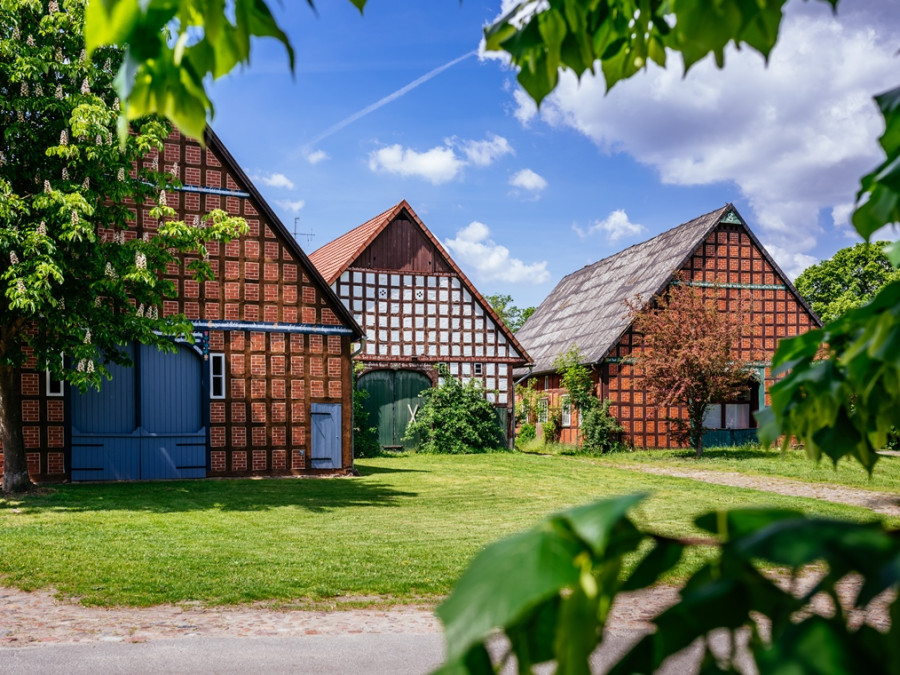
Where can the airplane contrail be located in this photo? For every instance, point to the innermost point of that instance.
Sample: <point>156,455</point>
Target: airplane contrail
<point>384,101</point>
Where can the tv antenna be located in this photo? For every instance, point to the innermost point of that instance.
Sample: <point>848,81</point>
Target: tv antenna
<point>297,234</point>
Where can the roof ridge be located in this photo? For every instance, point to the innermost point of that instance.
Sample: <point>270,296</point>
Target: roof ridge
<point>647,242</point>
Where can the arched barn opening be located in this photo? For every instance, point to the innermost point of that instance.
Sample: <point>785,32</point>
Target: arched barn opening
<point>392,403</point>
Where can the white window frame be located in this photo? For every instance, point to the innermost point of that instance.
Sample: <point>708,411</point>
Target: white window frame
<point>52,384</point>
<point>543,410</point>
<point>213,377</point>
<point>566,412</point>
<point>478,369</point>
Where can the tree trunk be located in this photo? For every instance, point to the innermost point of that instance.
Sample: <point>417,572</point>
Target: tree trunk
<point>15,464</point>
<point>695,419</point>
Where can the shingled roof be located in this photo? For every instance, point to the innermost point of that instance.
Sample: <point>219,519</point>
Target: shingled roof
<point>336,256</point>
<point>588,307</point>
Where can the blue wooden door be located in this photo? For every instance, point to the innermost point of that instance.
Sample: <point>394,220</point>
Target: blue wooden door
<point>106,440</point>
<point>145,423</point>
<point>173,436</point>
<point>325,449</point>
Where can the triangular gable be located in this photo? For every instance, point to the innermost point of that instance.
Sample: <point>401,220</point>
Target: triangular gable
<point>225,157</point>
<point>342,253</point>
<point>587,308</point>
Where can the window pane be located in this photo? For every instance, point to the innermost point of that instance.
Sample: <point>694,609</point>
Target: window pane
<point>737,416</point>
<point>713,417</point>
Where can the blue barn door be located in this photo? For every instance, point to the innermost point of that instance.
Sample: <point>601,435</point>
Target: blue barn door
<point>325,449</point>
<point>106,440</point>
<point>145,423</point>
<point>173,436</point>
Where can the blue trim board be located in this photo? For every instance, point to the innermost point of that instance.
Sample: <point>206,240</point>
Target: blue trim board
<point>265,327</point>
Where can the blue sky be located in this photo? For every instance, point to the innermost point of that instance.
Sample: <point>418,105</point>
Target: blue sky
<point>523,197</point>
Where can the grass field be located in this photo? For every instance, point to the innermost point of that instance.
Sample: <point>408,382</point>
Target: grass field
<point>763,462</point>
<point>402,532</point>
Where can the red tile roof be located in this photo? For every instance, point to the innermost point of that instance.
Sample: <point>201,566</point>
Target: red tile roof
<point>337,255</point>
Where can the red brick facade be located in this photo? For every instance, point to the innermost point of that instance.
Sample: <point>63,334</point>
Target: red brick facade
<point>731,259</point>
<point>265,288</point>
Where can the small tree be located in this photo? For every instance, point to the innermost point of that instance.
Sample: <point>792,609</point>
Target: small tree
<point>455,418</point>
<point>575,378</point>
<point>689,355</point>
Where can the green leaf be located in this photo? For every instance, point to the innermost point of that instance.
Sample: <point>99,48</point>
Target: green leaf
<point>736,523</point>
<point>594,523</point>
<point>109,22</point>
<point>816,645</point>
<point>892,251</point>
<point>577,634</point>
<point>506,581</point>
<point>662,557</point>
<point>533,638</point>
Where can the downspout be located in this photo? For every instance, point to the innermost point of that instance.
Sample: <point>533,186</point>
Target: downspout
<point>516,384</point>
<point>362,343</point>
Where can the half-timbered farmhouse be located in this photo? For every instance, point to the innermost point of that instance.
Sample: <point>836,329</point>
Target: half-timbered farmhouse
<point>265,389</point>
<point>417,309</point>
<point>588,309</point>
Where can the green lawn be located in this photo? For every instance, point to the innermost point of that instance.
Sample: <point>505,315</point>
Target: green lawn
<point>762,462</point>
<point>402,532</point>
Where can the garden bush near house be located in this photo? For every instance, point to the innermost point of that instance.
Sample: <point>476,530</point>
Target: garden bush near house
<point>552,428</point>
<point>600,430</point>
<point>365,437</point>
<point>455,418</point>
<point>527,433</point>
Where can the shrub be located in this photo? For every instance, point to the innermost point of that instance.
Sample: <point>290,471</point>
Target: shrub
<point>599,428</point>
<point>553,426</point>
<point>526,434</point>
<point>365,438</point>
<point>455,418</point>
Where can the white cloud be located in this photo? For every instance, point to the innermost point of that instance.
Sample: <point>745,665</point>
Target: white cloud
<point>794,137</point>
<point>316,156</point>
<point>437,165</point>
<point>277,180</point>
<point>486,152</point>
<point>526,109</point>
<point>474,249</point>
<point>291,204</point>
<point>440,164</point>
<point>526,179</point>
<point>792,262</point>
<point>615,226</point>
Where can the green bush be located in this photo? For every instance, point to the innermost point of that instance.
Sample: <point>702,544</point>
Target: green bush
<point>365,438</point>
<point>553,426</point>
<point>455,419</point>
<point>599,428</point>
<point>526,434</point>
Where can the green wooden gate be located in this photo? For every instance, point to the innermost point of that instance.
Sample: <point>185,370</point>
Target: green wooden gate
<point>392,403</point>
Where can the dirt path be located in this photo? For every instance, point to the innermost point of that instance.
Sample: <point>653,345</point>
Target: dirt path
<point>37,618</point>
<point>885,503</point>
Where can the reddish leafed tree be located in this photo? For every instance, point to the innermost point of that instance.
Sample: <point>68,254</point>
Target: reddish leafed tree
<point>690,351</point>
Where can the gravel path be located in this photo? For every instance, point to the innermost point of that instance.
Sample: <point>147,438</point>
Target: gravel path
<point>886,503</point>
<point>36,618</point>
